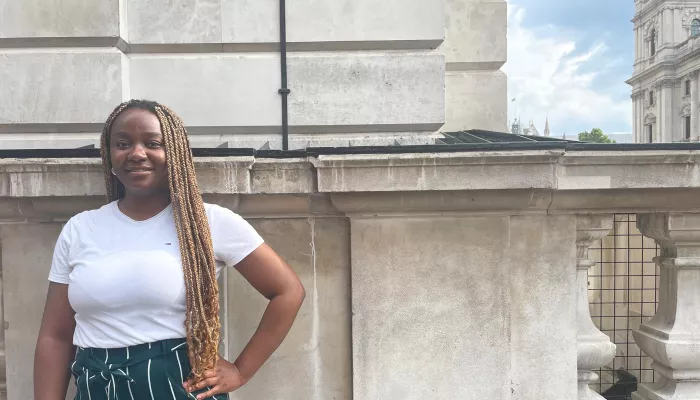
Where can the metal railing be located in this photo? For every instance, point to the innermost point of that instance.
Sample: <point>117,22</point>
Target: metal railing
<point>623,293</point>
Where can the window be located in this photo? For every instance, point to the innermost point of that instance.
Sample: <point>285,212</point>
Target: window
<point>686,123</point>
<point>650,133</point>
<point>651,97</point>
<point>687,87</point>
<point>695,27</point>
<point>653,42</point>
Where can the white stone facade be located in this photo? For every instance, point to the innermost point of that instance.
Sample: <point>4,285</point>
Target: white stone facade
<point>360,72</point>
<point>665,91</point>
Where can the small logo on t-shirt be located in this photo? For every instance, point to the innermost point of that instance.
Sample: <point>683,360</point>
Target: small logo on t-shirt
<point>168,244</point>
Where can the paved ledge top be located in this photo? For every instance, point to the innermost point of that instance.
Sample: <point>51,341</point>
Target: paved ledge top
<point>555,170</point>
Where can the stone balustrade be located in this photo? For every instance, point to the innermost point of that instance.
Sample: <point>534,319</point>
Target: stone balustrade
<point>437,275</point>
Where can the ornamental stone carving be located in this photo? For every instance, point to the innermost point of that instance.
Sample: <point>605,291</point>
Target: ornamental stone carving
<point>652,26</point>
<point>685,110</point>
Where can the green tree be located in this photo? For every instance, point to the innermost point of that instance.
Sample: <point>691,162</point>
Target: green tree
<point>596,135</point>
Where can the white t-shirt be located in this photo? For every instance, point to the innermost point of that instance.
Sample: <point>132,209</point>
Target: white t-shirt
<point>125,279</point>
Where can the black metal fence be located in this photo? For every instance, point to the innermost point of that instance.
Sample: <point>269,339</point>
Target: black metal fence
<point>623,293</point>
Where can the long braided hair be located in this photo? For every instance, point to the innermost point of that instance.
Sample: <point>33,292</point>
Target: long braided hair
<point>196,250</point>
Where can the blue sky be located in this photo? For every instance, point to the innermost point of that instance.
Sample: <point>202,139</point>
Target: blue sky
<point>569,59</point>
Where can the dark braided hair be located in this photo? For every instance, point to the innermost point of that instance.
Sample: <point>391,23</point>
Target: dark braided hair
<point>196,250</point>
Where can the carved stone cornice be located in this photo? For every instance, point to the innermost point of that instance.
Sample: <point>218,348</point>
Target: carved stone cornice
<point>646,7</point>
<point>668,65</point>
<point>667,83</point>
<point>533,181</point>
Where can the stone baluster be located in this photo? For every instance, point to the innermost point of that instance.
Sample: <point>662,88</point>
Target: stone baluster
<point>672,337</point>
<point>594,348</point>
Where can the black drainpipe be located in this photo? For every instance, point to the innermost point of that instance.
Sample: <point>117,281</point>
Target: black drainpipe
<point>284,90</point>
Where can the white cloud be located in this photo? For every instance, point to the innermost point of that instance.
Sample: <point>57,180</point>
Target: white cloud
<point>548,78</point>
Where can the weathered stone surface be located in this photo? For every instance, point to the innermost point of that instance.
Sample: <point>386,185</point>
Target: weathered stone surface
<point>27,250</point>
<point>51,177</point>
<point>400,89</point>
<point>255,21</point>
<point>430,318</point>
<point>59,86</point>
<point>542,282</point>
<point>476,100</point>
<point>330,92</point>
<point>174,21</point>
<point>314,362</point>
<point>618,169</point>
<point>445,171</point>
<point>475,34</point>
<point>302,141</point>
<point>672,337</point>
<point>212,90</point>
<point>58,18</point>
<point>271,176</point>
<point>224,175</point>
<point>478,181</point>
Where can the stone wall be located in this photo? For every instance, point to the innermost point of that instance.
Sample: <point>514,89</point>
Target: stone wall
<point>427,275</point>
<point>360,72</point>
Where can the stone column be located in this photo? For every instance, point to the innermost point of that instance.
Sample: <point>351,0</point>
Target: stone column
<point>594,348</point>
<point>694,115</point>
<point>666,115</point>
<point>636,133</point>
<point>672,337</point>
<point>640,121</point>
<point>658,125</point>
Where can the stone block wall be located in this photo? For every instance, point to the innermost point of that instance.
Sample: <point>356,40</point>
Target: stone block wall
<point>446,276</point>
<point>360,72</point>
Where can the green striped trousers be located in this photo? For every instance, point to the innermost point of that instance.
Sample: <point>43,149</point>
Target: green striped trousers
<point>151,371</point>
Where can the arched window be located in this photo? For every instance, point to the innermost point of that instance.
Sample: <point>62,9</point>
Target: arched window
<point>653,42</point>
<point>695,27</point>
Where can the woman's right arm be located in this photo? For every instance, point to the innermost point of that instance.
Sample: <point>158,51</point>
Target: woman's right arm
<point>54,348</point>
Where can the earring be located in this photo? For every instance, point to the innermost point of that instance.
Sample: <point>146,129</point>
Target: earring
<point>113,173</point>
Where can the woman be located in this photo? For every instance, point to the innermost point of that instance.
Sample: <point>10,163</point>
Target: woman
<point>132,309</point>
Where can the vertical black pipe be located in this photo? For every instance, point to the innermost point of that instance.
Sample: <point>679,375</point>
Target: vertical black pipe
<point>284,90</point>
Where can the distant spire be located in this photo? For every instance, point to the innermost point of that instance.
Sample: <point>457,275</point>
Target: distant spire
<point>532,129</point>
<point>546,127</point>
<point>564,136</point>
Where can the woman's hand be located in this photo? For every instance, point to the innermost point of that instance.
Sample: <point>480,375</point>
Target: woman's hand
<point>224,379</point>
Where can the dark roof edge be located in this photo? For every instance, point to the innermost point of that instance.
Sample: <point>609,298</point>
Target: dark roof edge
<point>315,151</point>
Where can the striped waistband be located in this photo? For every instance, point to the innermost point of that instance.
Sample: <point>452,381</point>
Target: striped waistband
<point>112,365</point>
<point>131,355</point>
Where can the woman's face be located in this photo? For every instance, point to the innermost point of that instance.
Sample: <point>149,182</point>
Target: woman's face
<point>137,153</point>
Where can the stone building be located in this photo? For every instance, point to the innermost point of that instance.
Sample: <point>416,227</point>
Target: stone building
<point>664,84</point>
<point>439,272</point>
<point>360,72</point>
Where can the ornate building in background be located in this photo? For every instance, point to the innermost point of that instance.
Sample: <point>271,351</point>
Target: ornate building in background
<point>665,89</point>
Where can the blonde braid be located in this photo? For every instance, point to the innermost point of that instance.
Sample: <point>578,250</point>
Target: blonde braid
<point>196,251</point>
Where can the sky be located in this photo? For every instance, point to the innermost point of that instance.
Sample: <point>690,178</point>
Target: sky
<point>569,60</point>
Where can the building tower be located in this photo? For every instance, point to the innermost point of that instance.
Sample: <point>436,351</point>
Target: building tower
<point>665,91</point>
<point>546,128</point>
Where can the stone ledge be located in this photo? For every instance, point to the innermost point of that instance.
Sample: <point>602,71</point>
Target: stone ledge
<point>476,182</point>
